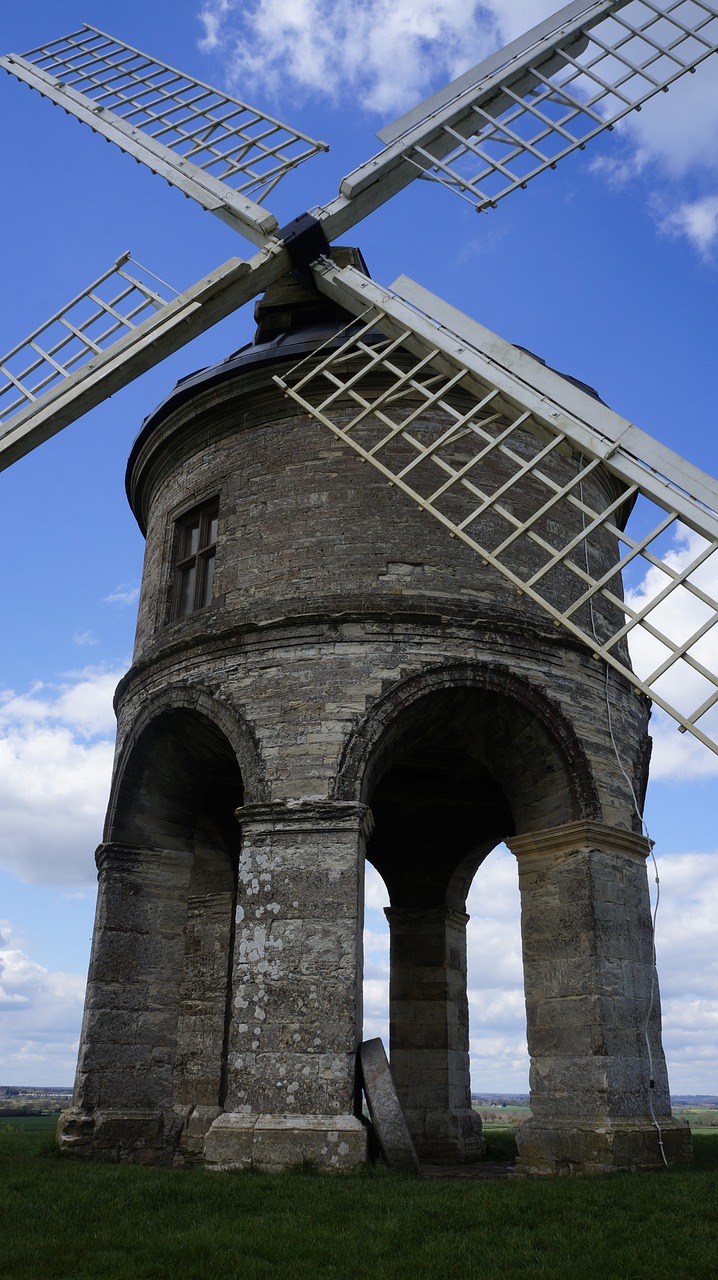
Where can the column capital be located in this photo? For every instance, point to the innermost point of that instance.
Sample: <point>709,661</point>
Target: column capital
<point>112,857</point>
<point>418,917</point>
<point>579,837</point>
<point>306,814</point>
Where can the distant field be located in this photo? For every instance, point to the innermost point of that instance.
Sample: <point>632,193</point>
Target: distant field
<point>502,1116</point>
<point>699,1118</point>
<point>42,1124</point>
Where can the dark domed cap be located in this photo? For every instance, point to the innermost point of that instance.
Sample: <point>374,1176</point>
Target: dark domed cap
<point>292,322</point>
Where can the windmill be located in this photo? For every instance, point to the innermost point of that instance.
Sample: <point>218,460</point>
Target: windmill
<point>409,355</point>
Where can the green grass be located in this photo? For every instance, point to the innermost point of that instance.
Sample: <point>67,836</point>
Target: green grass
<point>65,1221</point>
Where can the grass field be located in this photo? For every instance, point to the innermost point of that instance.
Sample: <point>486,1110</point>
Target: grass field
<point>36,1124</point>
<point>65,1221</point>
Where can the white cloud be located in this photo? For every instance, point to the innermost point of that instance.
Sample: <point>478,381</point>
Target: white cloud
<point>40,1015</point>
<point>676,131</point>
<point>679,129</point>
<point>211,18</point>
<point>687,944</point>
<point>672,143</point>
<point>56,751</point>
<point>383,54</point>
<point>376,958</point>
<point>688,968</point>
<point>83,703</point>
<point>126,594</point>
<point>618,169</point>
<point>697,221</point>
<point>678,757</point>
<point>497,1015</point>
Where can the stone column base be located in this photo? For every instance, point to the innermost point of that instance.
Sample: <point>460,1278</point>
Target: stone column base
<point>275,1143</point>
<point>124,1137</point>
<point>582,1145</point>
<point>447,1137</point>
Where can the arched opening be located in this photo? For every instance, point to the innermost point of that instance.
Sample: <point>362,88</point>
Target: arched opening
<point>173,813</point>
<point>375,984</point>
<point>450,776</point>
<point>498,1052</point>
<point>205,991</point>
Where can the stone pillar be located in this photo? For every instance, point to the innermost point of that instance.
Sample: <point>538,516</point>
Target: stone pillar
<point>122,1107</point>
<point>296,1001</point>
<point>429,1016</point>
<point>588,973</point>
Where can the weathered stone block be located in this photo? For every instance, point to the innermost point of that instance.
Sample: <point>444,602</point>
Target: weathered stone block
<point>576,1147</point>
<point>228,1143</point>
<point>335,1143</point>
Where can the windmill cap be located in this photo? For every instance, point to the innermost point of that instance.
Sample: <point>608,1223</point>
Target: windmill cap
<point>292,322</point>
<point>288,305</point>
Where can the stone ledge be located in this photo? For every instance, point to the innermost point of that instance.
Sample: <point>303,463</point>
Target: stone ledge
<point>273,1143</point>
<point>497,630</point>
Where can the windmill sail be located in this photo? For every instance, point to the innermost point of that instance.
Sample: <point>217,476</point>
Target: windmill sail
<point>541,98</point>
<point>215,148</point>
<point>508,456</point>
<point>124,323</point>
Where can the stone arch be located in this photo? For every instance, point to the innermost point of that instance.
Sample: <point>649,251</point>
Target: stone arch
<point>516,709</point>
<point>167,901</point>
<point>222,723</point>
<point>452,761</point>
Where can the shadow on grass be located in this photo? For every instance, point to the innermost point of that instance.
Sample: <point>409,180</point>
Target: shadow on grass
<point>705,1151</point>
<point>500,1144</point>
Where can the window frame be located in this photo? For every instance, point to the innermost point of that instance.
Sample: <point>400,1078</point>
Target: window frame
<point>202,515</point>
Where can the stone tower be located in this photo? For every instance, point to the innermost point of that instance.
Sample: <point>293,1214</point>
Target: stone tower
<point>320,676</point>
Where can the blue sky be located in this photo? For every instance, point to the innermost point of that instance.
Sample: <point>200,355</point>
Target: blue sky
<point>607,268</point>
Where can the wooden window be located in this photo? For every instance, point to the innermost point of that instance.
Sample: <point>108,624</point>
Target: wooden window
<point>195,548</point>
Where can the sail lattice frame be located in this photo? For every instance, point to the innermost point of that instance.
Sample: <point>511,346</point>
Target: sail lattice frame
<point>540,492</point>
<point>117,302</point>
<point>562,85</point>
<point>630,55</point>
<point>219,134</point>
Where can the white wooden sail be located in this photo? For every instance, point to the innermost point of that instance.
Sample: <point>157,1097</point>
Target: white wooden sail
<point>124,323</point>
<point>531,104</point>
<point>215,148</point>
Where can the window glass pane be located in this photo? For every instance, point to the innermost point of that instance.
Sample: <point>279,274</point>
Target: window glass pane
<point>188,579</point>
<point>208,580</point>
<point>190,544</point>
<point>196,537</point>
